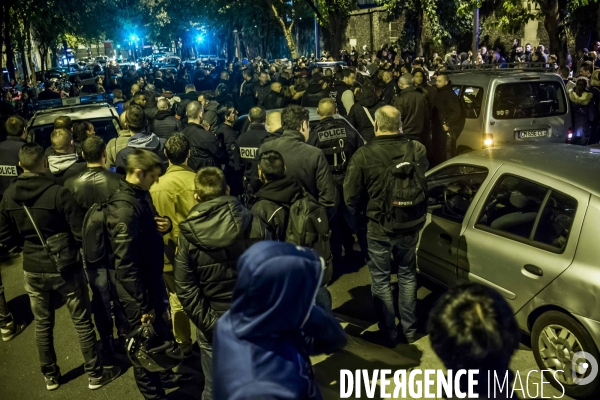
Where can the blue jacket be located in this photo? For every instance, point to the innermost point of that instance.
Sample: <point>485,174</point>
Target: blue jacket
<point>262,345</point>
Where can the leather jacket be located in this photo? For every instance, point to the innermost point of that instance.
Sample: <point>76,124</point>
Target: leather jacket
<point>93,185</point>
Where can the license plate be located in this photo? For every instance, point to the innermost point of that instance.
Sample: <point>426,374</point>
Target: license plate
<point>532,133</point>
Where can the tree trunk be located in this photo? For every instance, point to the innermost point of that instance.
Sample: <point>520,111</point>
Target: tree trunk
<point>419,31</point>
<point>555,28</point>
<point>8,48</point>
<point>287,33</point>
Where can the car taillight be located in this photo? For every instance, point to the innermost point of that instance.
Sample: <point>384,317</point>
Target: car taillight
<point>569,134</point>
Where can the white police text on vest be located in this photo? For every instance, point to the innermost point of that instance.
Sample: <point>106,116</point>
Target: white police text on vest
<point>332,134</point>
<point>248,152</point>
<point>8,170</point>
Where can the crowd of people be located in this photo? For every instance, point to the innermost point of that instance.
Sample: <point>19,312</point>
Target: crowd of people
<point>194,216</point>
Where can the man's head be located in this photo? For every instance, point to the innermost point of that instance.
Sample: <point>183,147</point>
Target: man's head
<point>441,80</point>
<point>418,76</point>
<point>528,47</point>
<point>16,126</point>
<point>140,99</point>
<point>326,107</point>
<point>62,141</point>
<point>117,93</point>
<point>63,122</point>
<point>271,166</point>
<point>204,98</point>
<point>564,71</point>
<point>349,77</point>
<point>189,88</point>
<point>194,111</point>
<point>586,70</point>
<point>143,168</point>
<point>273,121</point>
<point>134,89</point>
<point>31,158</point>
<point>177,149</point>
<point>473,327</point>
<point>224,76</point>
<point>387,121</point>
<point>247,74</point>
<point>94,150</point>
<point>406,81</point>
<point>276,87</point>
<point>387,76</point>
<point>210,184</point>
<point>158,75</point>
<point>163,105</point>
<point>123,119</point>
<point>140,81</point>
<point>49,85</point>
<point>257,115</point>
<point>263,78</point>
<point>483,50</point>
<point>135,119</point>
<point>296,118</point>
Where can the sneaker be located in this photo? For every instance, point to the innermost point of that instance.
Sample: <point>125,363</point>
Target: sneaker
<point>51,383</point>
<point>109,375</point>
<point>11,330</point>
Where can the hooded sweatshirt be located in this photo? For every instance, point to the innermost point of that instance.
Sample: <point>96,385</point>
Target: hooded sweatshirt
<point>211,239</point>
<point>63,166</point>
<point>142,141</point>
<point>263,343</point>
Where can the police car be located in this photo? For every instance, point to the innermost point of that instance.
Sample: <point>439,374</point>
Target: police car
<point>96,109</point>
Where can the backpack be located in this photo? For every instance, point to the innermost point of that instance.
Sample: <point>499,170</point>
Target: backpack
<point>404,194</point>
<point>308,226</point>
<point>95,236</point>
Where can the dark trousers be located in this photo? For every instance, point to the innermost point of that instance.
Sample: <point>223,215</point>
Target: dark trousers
<point>343,224</point>
<point>104,290</point>
<point>5,315</point>
<point>73,290</point>
<point>206,363</point>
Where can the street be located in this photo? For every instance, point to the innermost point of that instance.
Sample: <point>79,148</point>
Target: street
<point>19,368</point>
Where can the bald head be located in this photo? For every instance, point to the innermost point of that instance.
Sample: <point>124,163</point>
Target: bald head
<point>194,111</point>
<point>123,118</point>
<point>387,121</point>
<point>276,87</point>
<point>135,88</point>
<point>326,107</point>
<point>274,121</point>
<point>62,141</point>
<point>163,104</point>
<point>406,80</point>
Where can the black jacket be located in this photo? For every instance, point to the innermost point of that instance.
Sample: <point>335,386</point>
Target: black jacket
<point>164,125</point>
<point>93,185</point>
<point>138,252</point>
<point>211,239</point>
<point>365,175</point>
<point>336,93</point>
<point>246,99</point>
<point>414,110</point>
<point>53,209</point>
<point>275,101</point>
<point>261,92</point>
<point>358,116</point>
<point>389,91</point>
<point>307,165</point>
<point>314,93</point>
<point>446,109</point>
<point>234,169</point>
<point>48,94</point>
<point>181,106</point>
<point>205,147</point>
<point>271,204</point>
<point>9,161</point>
<point>249,144</point>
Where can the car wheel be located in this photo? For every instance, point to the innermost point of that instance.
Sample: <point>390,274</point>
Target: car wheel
<point>555,339</point>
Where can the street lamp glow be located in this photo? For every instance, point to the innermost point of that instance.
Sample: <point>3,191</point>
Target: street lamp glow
<point>133,38</point>
<point>200,38</point>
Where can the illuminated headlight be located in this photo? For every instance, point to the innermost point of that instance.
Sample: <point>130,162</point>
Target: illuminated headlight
<point>488,141</point>
<point>570,136</point>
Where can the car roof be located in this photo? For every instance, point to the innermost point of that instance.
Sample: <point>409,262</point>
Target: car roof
<point>312,113</point>
<point>91,111</point>
<point>569,163</point>
<point>479,77</point>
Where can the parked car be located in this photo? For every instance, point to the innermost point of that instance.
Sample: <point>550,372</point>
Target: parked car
<point>525,221</point>
<point>511,107</point>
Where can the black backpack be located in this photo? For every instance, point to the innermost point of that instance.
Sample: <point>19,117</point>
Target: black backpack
<point>308,226</point>
<point>404,193</point>
<point>96,244</point>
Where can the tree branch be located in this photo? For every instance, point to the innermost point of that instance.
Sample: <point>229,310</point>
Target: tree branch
<point>315,9</point>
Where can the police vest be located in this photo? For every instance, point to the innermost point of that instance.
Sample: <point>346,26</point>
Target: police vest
<point>334,142</point>
<point>249,153</point>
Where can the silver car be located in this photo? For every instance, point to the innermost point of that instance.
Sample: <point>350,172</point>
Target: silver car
<point>525,221</point>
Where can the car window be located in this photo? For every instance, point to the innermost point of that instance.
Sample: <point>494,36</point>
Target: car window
<point>529,99</point>
<point>452,189</point>
<point>529,212</point>
<point>106,128</point>
<point>472,98</point>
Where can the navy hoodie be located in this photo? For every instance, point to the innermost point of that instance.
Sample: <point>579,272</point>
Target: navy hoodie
<point>262,345</point>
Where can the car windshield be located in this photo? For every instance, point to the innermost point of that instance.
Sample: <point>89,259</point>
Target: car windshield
<point>529,100</point>
<point>106,128</point>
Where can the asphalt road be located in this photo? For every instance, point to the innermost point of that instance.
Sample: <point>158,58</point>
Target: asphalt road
<point>20,377</point>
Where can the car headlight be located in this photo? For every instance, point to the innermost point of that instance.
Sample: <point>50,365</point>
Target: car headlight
<point>488,141</point>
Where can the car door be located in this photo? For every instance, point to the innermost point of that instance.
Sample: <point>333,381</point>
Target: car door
<point>451,191</point>
<point>522,234</point>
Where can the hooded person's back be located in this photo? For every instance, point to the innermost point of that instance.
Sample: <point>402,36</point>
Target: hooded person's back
<point>62,166</point>
<point>142,141</point>
<point>367,102</point>
<point>260,348</point>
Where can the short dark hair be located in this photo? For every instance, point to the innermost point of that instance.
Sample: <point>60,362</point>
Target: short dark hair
<point>271,165</point>
<point>31,155</point>
<point>587,68</point>
<point>257,115</point>
<point>15,125</point>
<point>177,149</point>
<point>117,93</point>
<point>473,327</point>
<point>143,160</point>
<point>347,72</point>
<point>136,118</point>
<point>137,96</point>
<point>93,149</point>
<point>293,116</point>
<point>63,122</point>
<point>80,129</point>
<point>210,183</point>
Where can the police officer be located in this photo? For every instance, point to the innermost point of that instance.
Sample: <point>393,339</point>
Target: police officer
<point>249,143</point>
<point>342,93</point>
<point>9,151</point>
<point>338,141</point>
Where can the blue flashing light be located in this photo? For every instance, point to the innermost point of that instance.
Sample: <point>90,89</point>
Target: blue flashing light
<point>133,37</point>
<point>200,38</point>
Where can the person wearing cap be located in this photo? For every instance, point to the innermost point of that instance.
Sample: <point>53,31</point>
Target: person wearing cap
<point>261,346</point>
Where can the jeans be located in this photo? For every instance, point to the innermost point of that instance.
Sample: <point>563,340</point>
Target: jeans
<point>181,323</point>
<point>73,290</point>
<point>402,248</point>
<point>5,315</point>
<point>206,363</point>
<point>104,290</point>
